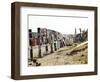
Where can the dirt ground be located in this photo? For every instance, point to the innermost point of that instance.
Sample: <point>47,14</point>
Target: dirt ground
<point>67,55</point>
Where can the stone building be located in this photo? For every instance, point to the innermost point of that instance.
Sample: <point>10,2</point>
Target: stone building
<point>44,42</point>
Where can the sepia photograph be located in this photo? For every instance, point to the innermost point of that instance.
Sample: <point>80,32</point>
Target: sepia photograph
<point>62,40</point>
<point>53,40</point>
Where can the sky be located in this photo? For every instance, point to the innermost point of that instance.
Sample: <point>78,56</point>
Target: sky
<point>64,25</point>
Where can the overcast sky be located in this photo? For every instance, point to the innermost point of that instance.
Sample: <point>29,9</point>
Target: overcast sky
<point>65,25</point>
